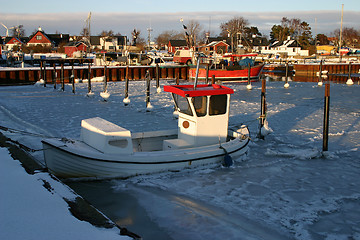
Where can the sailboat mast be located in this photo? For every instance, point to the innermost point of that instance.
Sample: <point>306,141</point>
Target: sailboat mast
<point>315,38</point>
<point>341,25</point>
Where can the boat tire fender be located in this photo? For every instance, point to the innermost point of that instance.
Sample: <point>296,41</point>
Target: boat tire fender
<point>227,162</point>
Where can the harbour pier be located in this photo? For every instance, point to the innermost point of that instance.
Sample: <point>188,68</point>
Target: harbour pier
<point>19,76</point>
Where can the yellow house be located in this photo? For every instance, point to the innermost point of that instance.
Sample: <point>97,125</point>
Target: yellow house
<point>325,49</point>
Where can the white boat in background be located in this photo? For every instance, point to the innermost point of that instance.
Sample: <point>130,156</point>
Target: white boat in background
<point>106,150</point>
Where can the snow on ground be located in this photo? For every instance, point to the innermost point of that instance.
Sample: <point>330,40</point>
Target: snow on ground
<point>29,211</point>
<point>286,188</point>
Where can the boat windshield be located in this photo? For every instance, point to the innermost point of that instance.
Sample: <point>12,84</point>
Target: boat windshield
<point>182,104</point>
<point>200,104</point>
<point>218,105</point>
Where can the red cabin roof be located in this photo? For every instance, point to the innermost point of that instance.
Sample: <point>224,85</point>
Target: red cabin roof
<point>201,90</point>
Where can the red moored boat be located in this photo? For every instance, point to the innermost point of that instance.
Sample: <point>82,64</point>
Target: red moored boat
<point>231,68</point>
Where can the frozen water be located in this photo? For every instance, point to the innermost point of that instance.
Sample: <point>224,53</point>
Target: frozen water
<point>285,188</point>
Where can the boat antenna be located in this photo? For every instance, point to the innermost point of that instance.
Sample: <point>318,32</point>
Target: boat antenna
<point>197,71</point>
<point>341,26</point>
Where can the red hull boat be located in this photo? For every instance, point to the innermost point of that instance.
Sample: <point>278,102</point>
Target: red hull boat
<point>230,70</point>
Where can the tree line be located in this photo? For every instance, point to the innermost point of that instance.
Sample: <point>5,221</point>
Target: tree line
<point>238,30</point>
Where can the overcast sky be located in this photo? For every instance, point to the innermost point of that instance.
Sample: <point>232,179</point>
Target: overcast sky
<point>68,16</point>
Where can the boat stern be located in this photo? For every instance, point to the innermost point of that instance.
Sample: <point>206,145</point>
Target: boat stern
<point>106,136</point>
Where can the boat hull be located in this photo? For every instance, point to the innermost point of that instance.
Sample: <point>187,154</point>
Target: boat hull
<point>240,75</point>
<point>75,159</point>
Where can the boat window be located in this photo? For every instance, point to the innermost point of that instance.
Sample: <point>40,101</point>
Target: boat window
<point>200,104</point>
<point>121,143</point>
<point>218,104</point>
<point>182,104</point>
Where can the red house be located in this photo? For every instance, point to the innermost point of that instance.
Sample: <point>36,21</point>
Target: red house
<point>177,45</point>
<point>73,47</point>
<point>14,42</point>
<point>40,38</point>
<point>50,40</point>
<point>219,47</point>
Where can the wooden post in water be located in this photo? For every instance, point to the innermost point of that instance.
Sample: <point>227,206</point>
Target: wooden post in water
<point>41,67</point>
<point>286,85</point>
<point>178,77</point>
<point>326,117</point>
<point>127,82</point>
<point>44,73</point>
<point>89,78</point>
<point>207,74</point>
<point>72,78</point>
<point>213,79</point>
<point>54,76</point>
<point>148,105</point>
<point>320,83</point>
<point>105,94</point>
<point>157,78</point>
<point>105,79</point>
<point>62,77</point>
<point>349,81</point>
<point>263,109</point>
<point>126,100</point>
<point>248,86</point>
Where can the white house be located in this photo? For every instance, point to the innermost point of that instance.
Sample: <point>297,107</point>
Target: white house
<point>288,47</point>
<point>112,43</point>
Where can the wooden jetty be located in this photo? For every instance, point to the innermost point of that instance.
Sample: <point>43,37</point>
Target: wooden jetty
<point>16,76</point>
<point>312,69</point>
<point>277,68</point>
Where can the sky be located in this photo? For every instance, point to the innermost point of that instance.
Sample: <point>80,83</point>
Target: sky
<point>122,17</point>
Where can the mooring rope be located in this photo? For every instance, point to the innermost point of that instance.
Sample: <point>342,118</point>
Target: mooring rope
<point>12,130</point>
<point>235,129</point>
<point>26,148</point>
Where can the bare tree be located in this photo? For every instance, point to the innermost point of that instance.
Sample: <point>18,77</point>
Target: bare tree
<point>164,37</point>
<point>84,32</point>
<point>233,28</point>
<point>350,37</point>
<point>135,34</point>
<point>194,30</point>
<point>18,31</point>
<point>105,33</point>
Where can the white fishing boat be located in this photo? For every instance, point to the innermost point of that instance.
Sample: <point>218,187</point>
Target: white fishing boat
<point>106,150</point>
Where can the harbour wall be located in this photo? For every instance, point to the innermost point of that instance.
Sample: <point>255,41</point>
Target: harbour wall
<point>18,76</point>
<point>309,69</point>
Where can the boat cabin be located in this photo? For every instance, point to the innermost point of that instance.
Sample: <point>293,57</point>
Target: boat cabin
<point>203,120</point>
<point>203,115</point>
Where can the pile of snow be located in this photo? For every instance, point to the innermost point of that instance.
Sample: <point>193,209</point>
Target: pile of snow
<point>265,129</point>
<point>30,211</point>
<point>105,95</point>
<point>40,83</point>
